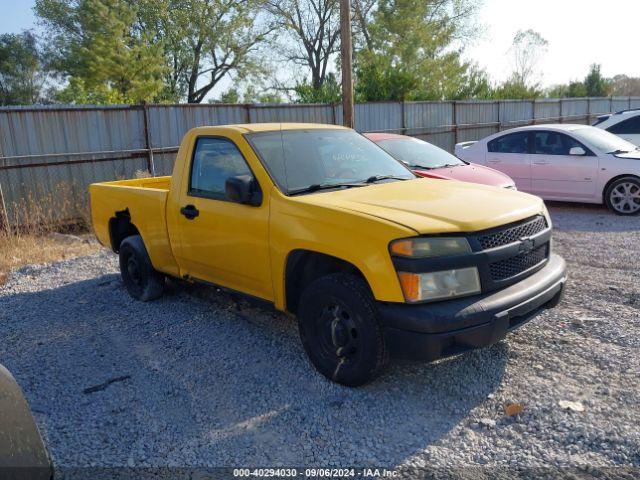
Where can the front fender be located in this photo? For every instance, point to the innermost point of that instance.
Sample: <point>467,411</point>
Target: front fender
<point>22,451</point>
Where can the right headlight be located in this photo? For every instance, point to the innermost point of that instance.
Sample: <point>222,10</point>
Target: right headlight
<point>422,247</point>
<point>547,217</point>
<point>459,282</point>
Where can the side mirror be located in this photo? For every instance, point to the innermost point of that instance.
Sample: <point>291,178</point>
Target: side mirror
<point>243,189</point>
<point>578,151</point>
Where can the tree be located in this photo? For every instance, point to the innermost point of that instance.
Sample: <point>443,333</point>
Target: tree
<point>205,41</point>
<point>311,31</point>
<point>413,50</point>
<point>514,89</point>
<point>249,95</point>
<point>22,74</point>
<point>574,89</point>
<point>329,92</point>
<point>595,84</point>
<point>527,48</point>
<point>623,85</point>
<point>362,17</point>
<point>94,47</point>
<point>474,84</point>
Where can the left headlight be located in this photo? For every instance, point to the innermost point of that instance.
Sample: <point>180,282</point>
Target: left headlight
<point>420,247</point>
<point>418,287</point>
<point>547,217</point>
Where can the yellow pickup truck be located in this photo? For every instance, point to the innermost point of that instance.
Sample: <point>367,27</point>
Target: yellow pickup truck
<point>320,222</point>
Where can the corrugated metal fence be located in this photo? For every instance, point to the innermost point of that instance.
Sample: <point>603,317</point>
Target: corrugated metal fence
<point>49,155</point>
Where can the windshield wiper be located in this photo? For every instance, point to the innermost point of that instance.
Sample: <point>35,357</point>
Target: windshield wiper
<point>448,165</point>
<point>377,178</point>
<point>615,152</point>
<point>324,186</point>
<point>421,167</point>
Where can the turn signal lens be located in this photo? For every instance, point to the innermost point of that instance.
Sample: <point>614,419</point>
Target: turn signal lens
<point>410,283</point>
<point>421,247</point>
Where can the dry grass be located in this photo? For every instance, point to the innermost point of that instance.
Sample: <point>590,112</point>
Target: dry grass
<point>29,239</point>
<point>17,251</point>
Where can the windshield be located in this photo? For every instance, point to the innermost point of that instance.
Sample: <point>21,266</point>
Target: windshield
<point>416,152</point>
<point>602,140</point>
<point>298,159</point>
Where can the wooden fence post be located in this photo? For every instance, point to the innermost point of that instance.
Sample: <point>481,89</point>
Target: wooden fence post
<point>4,215</point>
<point>455,122</point>
<point>346,64</point>
<point>151,167</point>
<point>533,112</point>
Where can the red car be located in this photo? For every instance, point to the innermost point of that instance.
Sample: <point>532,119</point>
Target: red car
<point>427,160</point>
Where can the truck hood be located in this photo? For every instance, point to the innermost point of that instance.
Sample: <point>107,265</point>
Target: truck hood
<point>433,206</point>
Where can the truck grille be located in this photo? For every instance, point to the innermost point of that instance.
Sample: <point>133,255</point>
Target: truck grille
<point>511,267</point>
<point>513,234</point>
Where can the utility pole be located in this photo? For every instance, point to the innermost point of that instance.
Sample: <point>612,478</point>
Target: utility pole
<point>346,62</point>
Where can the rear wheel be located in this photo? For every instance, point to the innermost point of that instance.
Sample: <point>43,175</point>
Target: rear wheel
<point>623,196</point>
<point>140,279</point>
<point>340,329</point>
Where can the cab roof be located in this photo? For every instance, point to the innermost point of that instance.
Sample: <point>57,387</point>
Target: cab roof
<point>380,136</point>
<point>273,127</point>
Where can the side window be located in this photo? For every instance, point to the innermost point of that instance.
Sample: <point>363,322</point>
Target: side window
<point>554,143</point>
<point>630,126</point>
<point>511,143</point>
<point>214,161</point>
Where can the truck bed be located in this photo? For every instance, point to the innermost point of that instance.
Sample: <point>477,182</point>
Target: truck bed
<point>155,183</point>
<point>144,200</point>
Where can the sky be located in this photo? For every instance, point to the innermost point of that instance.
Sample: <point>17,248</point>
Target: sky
<point>579,32</point>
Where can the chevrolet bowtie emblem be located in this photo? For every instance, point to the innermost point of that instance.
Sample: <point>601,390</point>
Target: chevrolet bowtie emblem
<point>526,245</point>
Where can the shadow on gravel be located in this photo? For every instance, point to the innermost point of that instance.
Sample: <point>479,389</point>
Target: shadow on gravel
<point>584,217</point>
<point>198,379</point>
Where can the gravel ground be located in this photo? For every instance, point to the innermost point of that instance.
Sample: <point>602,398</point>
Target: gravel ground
<point>201,379</point>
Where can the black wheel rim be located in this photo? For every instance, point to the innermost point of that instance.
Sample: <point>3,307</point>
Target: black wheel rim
<point>337,333</point>
<point>133,270</point>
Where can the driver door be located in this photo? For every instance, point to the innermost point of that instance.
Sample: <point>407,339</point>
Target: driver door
<point>555,173</point>
<point>222,242</point>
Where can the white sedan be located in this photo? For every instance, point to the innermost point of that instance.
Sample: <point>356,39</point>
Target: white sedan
<point>625,124</point>
<point>575,163</point>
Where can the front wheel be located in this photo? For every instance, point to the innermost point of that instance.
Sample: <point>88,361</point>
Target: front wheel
<point>340,329</point>
<point>623,196</point>
<point>140,279</point>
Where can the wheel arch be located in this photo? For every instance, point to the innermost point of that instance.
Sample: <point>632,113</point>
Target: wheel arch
<point>304,266</point>
<point>121,227</point>
<point>613,179</point>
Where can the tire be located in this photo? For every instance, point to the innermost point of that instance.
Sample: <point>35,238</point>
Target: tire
<point>140,279</point>
<point>622,196</point>
<point>340,330</point>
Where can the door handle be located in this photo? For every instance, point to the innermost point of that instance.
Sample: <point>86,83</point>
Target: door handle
<point>190,212</point>
<point>541,163</point>
<point>494,161</point>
